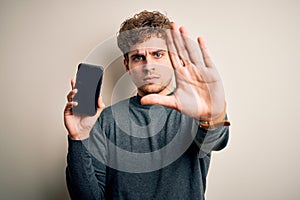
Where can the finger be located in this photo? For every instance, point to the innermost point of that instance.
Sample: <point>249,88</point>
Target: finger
<point>168,101</point>
<point>101,106</point>
<point>73,83</point>
<point>179,44</point>
<point>205,53</point>
<point>172,50</point>
<point>71,95</point>
<point>70,105</point>
<point>192,47</point>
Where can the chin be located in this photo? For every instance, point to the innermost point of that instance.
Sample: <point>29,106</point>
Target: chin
<point>152,89</point>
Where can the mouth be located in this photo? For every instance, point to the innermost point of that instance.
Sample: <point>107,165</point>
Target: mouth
<point>151,79</point>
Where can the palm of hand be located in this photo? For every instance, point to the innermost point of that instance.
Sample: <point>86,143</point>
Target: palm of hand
<point>199,91</point>
<point>79,125</point>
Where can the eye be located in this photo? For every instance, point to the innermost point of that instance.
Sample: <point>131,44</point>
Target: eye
<point>137,58</point>
<point>158,55</point>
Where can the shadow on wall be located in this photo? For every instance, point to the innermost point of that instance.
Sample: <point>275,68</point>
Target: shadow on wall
<point>54,186</point>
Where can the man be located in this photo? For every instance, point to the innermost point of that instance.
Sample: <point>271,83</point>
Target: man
<point>157,144</point>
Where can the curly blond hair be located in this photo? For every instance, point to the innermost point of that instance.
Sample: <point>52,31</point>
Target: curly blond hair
<point>140,28</point>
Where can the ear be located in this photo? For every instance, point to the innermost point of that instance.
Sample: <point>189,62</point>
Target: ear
<point>125,62</point>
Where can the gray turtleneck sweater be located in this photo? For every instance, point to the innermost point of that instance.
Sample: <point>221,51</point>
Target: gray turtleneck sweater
<point>142,152</point>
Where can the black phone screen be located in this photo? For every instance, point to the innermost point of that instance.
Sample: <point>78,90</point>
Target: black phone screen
<point>88,83</point>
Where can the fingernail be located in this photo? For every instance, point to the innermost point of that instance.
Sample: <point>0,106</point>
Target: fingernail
<point>173,26</point>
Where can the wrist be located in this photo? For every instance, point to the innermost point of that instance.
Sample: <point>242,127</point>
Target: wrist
<point>215,122</point>
<point>80,136</point>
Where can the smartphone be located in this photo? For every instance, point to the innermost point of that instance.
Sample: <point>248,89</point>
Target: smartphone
<point>88,82</point>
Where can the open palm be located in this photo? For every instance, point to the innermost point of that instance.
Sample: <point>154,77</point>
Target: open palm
<point>199,90</point>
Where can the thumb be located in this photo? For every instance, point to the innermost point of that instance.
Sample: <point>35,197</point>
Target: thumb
<point>168,101</point>
<point>101,106</point>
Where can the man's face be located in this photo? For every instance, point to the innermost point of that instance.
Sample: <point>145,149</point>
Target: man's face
<point>150,67</point>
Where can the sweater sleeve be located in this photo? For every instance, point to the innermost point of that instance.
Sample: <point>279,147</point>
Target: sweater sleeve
<point>85,173</point>
<point>212,140</point>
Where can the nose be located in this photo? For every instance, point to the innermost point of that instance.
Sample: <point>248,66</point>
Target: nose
<point>149,64</point>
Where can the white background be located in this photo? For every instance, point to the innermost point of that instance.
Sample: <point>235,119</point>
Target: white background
<point>255,45</point>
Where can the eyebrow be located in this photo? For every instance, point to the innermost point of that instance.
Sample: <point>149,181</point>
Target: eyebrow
<point>151,52</point>
<point>159,50</point>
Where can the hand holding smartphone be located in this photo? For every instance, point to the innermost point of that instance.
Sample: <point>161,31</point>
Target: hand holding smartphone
<point>88,83</point>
